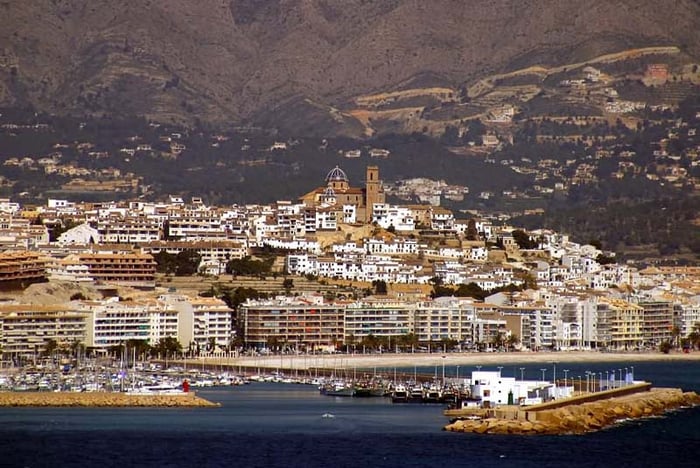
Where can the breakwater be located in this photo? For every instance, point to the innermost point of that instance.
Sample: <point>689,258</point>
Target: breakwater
<point>100,399</point>
<point>576,417</point>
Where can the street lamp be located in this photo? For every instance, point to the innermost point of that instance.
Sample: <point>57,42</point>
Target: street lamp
<point>458,372</point>
<point>566,373</point>
<point>554,374</point>
<point>625,376</point>
<point>580,385</point>
<point>632,372</point>
<point>620,377</point>
<point>521,373</point>
<point>543,372</point>
<point>499,371</point>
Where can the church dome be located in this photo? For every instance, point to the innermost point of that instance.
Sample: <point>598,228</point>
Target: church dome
<point>336,174</point>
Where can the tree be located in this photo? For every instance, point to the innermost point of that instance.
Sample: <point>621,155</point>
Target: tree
<point>50,347</point>
<point>694,336</point>
<point>249,267</point>
<point>238,296</point>
<point>185,263</point>
<point>605,259</point>
<point>529,281</point>
<point>471,290</point>
<point>524,240</point>
<point>211,344</point>
<point>380,287</point>
<point>273,343</point>
<point>472,233</point>
<point>512,341</point>
<point>665,346</point>
<point>168,346</point>
<point>138,347</point>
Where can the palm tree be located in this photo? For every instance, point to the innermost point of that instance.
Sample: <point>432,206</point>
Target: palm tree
<point>694,336</point>
<point>512,341</point>
<point>50,347</point>
<point>675,336</point>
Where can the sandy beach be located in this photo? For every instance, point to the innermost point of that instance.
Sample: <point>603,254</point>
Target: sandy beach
<point>385,360</point>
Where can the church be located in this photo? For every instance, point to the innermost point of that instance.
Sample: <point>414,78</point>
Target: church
<point>338,192</point>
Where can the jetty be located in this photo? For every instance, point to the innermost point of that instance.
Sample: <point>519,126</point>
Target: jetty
<point>101,399</point>
<point>573,415</point>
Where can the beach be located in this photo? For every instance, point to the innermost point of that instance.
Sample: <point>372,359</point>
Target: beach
<point>386,360</point>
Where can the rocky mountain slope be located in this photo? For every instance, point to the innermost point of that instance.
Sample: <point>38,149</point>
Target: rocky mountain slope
<point>282,62</point>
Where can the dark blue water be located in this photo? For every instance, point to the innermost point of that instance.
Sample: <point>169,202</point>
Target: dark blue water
<point>277,425</point>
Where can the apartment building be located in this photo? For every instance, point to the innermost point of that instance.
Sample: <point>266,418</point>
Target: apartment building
<point>21,268</point>
<point>301,323</point>
<point>26,329</point>
<point>112,322</point>
<point>204,324</point>
<point>620,324</point>
<point>123,269</point>
<point>658,322</point>
<point>379,317</point>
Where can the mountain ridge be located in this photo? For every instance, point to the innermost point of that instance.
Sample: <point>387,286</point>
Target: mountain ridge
<point>242,60</point>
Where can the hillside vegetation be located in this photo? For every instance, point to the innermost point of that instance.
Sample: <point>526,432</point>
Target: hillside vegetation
<point>252,60</point>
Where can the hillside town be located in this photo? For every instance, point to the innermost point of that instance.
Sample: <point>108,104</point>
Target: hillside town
<point>406,277</point>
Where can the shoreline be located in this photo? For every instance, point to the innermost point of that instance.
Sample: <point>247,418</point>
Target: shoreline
<point>346,361</point>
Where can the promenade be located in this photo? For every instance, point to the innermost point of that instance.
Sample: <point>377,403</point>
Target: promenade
<point>388,360</point>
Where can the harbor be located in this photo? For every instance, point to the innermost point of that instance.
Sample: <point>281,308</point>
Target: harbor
<point>477,395</point>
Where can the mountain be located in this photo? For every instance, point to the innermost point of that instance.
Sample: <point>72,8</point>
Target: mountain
<point>305,65</point>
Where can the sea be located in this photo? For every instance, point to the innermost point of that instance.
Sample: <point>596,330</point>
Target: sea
<point>283,425</point>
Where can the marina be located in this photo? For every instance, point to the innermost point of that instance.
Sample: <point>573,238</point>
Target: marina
<point>273,424</point>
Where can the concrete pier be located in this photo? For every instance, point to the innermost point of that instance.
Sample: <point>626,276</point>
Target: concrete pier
<point>578,415</point>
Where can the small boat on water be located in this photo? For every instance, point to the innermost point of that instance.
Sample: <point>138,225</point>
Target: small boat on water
<point>416,394</point>
<point>432,394</point>
<point>338,389</point>
<point>328,416</point>
<point>399,394</point>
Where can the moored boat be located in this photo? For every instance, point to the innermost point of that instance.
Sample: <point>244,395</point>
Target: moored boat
<point>399,394</point>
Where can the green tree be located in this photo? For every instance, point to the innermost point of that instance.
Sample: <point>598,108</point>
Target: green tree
<point>472,233</point>
<point>512,341</point>
<point>167,347</point>
<point>380,287</point>
<point>50,346</point>
<point>524,240</point>
<point>471,290</point>
<point>248,266</point>
<point>139,347</point>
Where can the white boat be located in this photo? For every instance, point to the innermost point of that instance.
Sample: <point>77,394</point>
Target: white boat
<point>157,389</point>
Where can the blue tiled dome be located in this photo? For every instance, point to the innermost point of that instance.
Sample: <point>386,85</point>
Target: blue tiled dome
<point>336,174</point>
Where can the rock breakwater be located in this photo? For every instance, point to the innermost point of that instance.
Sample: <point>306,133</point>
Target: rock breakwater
<point>101,399</point>
<point>581,418</point>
